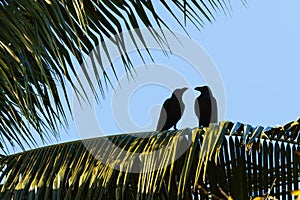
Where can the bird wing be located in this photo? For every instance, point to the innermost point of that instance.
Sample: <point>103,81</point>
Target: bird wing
<point>214,110</point>
<point>204,112</point>
<point>204,103</point>
<point>163,114</point>
<point>196,108</point>
<point>162,119</point>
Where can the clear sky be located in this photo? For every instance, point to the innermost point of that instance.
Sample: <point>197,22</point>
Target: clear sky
<point>255,51</point>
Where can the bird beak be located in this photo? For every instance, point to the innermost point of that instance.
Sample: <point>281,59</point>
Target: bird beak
<point>184,89</point>
<point>198,88</point>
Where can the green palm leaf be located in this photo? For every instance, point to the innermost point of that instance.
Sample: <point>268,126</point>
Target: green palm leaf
<point>39,38</point>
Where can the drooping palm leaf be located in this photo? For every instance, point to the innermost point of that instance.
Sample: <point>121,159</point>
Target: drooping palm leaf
<point>38,39</point>
<point>232,160</point>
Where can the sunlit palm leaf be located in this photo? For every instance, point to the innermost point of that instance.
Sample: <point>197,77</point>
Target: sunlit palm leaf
<point>270,167</point>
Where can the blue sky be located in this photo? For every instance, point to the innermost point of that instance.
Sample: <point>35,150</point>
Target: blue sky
<point>256,52</point>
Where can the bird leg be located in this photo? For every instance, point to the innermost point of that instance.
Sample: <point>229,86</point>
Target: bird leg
<point>175,127</point>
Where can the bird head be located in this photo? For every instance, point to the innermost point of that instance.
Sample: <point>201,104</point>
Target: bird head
<point>203,89</point>
<point>179,92</point>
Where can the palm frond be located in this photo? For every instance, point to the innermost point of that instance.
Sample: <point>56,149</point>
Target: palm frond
<point>233,160</point>
<point>39,38</point>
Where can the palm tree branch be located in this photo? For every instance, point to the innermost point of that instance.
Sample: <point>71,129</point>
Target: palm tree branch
<point>39,39</point>
<point>86,169</point>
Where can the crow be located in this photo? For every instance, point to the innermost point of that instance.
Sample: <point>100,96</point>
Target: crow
<point>171,111</point>
<point>206,107</point>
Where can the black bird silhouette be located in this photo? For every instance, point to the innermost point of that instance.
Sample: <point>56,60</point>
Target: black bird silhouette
<point>206,107</point>
<point>171,111</point>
